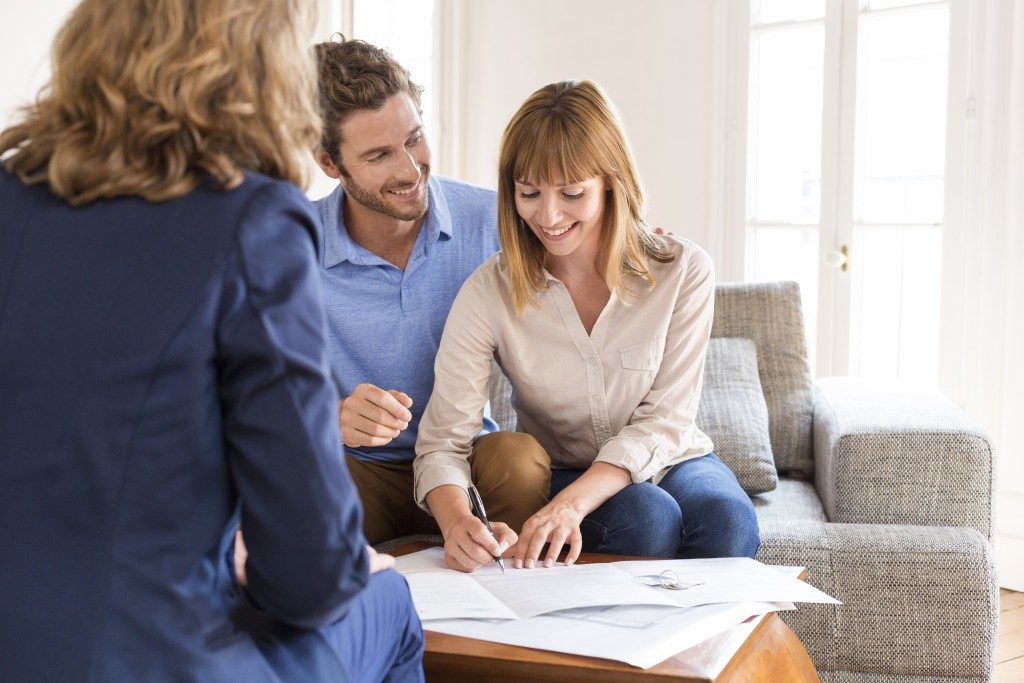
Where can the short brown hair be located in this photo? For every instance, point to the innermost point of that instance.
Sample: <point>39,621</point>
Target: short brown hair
<point>148,97</point>
<point>355,75</point>
<point>572,131</point>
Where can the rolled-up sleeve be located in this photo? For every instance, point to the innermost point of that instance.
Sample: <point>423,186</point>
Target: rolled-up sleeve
<point>663,426</point>
<point>301,516</point>
<point>461,374</point>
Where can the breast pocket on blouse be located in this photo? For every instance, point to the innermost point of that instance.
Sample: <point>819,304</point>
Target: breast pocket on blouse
<point>639,365</point>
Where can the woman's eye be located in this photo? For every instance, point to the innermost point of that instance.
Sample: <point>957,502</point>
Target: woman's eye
<point>529,195</point>
<point>572,196</point>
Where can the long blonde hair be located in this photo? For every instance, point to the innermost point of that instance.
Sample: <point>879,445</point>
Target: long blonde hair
<point>571,129</point>
<point>148,97</point>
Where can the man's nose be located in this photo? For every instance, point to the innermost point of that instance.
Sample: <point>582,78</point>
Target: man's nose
<point>409,170</point>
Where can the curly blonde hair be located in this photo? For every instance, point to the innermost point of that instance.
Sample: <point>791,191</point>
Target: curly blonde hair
<point>148,97</point>
<point>572,131</point>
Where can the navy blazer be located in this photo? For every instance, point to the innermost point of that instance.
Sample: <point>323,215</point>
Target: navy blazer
<point>163,366</point>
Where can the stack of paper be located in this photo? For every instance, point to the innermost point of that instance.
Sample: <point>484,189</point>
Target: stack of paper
<point>599,610</point>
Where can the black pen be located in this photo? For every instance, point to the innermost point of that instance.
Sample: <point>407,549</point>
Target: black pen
<point>477,505</point>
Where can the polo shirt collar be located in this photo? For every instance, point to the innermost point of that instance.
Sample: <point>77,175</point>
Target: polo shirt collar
<point>339,247</point>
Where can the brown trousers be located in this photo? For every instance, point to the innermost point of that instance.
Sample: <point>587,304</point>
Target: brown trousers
<point>511,470</point>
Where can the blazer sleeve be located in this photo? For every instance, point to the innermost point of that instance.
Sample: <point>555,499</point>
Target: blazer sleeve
<point>301,516</point>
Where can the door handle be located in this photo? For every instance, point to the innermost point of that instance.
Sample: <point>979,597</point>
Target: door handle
<point>838,259</point>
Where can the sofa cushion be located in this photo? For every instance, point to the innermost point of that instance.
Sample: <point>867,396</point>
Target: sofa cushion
<point>792,500</point>
<point>769,313</point>
<point>733,413</point>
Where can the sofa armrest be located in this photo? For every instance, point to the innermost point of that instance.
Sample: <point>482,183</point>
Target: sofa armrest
<point>885,454</point>
<point>920,603</point>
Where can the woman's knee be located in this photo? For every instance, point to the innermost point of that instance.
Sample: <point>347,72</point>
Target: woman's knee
<point>731,524</point>
<point>388,592</point>
<point>641,519</point>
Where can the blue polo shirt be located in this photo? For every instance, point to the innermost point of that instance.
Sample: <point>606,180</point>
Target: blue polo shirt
<point>385,324</point>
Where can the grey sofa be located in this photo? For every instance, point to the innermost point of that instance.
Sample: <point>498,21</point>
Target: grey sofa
<point>883,494</point>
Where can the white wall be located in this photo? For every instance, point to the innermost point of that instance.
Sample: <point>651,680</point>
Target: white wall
<point>651,56</point>
<point>26,32</point>
<point>982,333</point>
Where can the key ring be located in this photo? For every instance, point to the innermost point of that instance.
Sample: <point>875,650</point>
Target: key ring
<point>667,579</point>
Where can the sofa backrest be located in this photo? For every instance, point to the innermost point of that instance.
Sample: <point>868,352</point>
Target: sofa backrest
<point>769,314</point>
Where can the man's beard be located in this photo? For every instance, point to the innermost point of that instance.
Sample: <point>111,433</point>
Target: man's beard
<point>375,202</point>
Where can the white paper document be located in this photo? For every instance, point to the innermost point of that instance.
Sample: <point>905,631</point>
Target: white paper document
<point>439,596</point>
<point>441,593</point>
<point>638,636</point>
<point>729,579</point>
<point>601,610</point>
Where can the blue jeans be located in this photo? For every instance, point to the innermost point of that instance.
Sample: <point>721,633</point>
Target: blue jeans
<point>697,510</point>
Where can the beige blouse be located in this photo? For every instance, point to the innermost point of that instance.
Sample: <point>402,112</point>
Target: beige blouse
<point>626,394</point>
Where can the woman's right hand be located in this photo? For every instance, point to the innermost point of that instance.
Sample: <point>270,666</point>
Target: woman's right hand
<point>469,545</point>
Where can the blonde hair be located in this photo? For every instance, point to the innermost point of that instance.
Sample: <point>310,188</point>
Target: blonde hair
<point>572,130</point>
<point>148,97</point>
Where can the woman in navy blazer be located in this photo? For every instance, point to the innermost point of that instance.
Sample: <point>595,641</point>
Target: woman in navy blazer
<point>163,368</point>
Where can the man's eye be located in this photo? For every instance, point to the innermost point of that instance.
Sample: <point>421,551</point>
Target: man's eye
<point>414,141</point>
<point>529,195</point>
<point>379,157</point>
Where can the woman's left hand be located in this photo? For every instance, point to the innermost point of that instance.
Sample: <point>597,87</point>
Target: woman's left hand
<point>555,524</point>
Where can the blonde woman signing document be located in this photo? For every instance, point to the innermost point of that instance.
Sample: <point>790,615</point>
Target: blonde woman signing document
<point>601,325</point>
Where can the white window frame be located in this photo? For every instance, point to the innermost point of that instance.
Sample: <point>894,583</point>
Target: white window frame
<point>728,155</point>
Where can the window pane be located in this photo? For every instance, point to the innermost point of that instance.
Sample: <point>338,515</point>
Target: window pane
<point>405,28</point>
<point>768,11</point>
<point>887,4</point>
<point>901,116</point>
<point>894,318</point>
<point>784,147</point>
<point>790,254</point>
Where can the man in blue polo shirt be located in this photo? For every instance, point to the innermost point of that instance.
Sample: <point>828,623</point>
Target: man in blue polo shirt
<point>398,243</point>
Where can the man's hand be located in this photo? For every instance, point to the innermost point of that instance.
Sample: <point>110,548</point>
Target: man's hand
<point>379,561</point>
<point>371,416</point>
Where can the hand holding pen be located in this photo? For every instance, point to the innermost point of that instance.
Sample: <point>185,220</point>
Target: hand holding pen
<point>476,504</point>
<point>468,541</point>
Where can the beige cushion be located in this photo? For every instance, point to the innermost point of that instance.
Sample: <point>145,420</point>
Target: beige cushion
<point>733,413</point>
<point>769,313</point>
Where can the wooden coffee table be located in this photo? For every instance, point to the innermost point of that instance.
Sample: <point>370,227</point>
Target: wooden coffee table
<point>760,649</point>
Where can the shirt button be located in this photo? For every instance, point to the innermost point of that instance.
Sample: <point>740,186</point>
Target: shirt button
<point>593,361</point>
<point>597,398</point>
